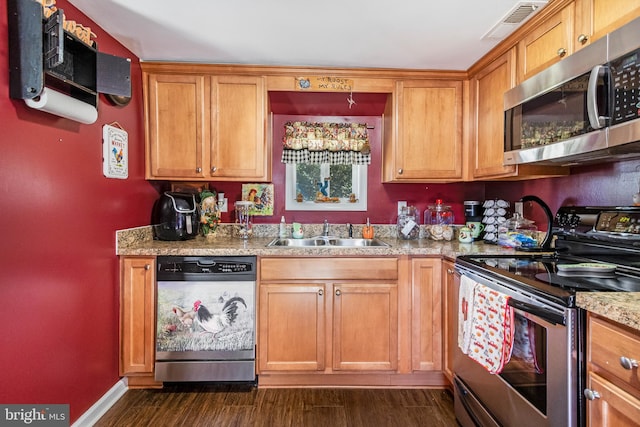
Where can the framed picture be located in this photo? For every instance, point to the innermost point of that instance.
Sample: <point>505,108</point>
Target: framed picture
<point>262,197</point>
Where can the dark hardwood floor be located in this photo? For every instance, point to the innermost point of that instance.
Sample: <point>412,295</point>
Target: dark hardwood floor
<point>233,405</point>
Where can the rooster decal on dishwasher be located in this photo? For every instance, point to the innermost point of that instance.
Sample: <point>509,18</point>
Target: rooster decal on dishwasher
<point>217,322</point>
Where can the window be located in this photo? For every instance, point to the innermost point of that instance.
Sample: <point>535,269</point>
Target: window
<point>306,180</point>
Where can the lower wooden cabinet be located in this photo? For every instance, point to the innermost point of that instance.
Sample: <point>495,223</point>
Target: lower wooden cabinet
<point>426,306</point>
<point>137,318</point>
<point>613,379</point>
<point>327,314</point>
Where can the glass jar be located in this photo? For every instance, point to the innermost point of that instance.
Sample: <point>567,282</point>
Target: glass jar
<point>243,226</point>
<point>518,231</point>
<point>408,227</point>
<point>439,214</point>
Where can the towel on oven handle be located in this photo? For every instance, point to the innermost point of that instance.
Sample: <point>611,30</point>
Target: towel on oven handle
<point>465,311</point>
<point>492,327</point>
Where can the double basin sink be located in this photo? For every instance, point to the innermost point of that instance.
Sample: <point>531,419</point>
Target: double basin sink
<point>328,242</point>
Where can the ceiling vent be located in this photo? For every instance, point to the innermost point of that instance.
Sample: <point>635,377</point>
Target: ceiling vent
<point>517,16</point>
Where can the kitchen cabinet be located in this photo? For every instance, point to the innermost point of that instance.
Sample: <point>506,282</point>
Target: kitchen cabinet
<point>450,286</point>
<point>427,309</point>
<point>328,315</point>
<point>487,87</point>
<point>137,320</point>
<point>205,127</point>
<point>613,381</point>
<point>595,18</point>
<point>423,142</point>
<point>547,43</point>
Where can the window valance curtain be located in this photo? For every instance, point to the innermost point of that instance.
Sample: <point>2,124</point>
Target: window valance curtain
<point>333,143</point>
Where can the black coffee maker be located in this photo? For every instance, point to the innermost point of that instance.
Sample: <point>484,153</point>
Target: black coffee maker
<point>175,216</point>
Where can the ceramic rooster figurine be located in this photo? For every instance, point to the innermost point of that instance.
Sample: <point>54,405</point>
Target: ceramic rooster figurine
<point>214,323</point>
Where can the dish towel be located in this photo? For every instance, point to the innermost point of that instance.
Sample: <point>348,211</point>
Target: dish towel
<point>465,310</point>
<point>491,330</point>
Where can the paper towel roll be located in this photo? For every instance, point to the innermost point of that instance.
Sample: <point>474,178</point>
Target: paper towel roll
<point>63,105</point>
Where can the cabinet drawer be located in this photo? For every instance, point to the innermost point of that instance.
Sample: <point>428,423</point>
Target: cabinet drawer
<point>607,344</point>
<point>310,268</point>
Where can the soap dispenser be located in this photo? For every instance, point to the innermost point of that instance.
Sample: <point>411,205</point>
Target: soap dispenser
<point>283,228</point>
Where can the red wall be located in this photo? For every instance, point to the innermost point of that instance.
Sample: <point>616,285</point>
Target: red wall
<point>58,269</point>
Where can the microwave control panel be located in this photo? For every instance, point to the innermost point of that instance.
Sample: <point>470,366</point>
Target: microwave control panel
<point>625,82</point>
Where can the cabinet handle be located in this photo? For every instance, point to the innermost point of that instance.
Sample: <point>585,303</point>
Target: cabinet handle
<point>591,394</point>
<point>320,292</point>
<point>400,171</point>
<point>147,267</point>
<point>562,52</point>
<point>198,170</point>
<point>450,271</point>
<point>628,363</point>
<point>214,169</point>
<point>338,293</point>
<point>583,38</point>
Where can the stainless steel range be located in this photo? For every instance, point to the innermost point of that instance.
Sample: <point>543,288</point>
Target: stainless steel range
<point>541,379</point>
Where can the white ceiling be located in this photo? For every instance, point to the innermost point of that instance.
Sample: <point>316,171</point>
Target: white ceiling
<point>409,34</point>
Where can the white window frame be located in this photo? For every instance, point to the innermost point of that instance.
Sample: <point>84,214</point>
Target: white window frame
<point>359,185</point>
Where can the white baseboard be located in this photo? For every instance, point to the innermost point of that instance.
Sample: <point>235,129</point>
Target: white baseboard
<point>99,408</point>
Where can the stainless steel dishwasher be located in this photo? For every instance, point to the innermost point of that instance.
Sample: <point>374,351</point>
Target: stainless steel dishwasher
<point>205,319</point>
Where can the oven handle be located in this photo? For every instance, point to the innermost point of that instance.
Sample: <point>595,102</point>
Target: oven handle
<point>541,312</point>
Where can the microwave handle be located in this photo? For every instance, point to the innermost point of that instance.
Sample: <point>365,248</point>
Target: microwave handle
<point>595,119</point>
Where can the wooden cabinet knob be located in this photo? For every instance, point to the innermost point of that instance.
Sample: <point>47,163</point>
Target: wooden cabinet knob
<point>214,169</point>
<point>320,292</point>
<point>147,267</point>
<point>562,52</point>
<point>338,293</point>
<point>591,394</point>
<point>450,271</point>
<point>400,171</point>
<point>583,38</point>
<point>628,363</point>
<point>198,170</point>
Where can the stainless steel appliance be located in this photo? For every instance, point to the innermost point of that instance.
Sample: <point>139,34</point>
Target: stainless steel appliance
<point>205,321</point>
<point>597,250</point>
<point>175,216</point>
<point>583,108</point>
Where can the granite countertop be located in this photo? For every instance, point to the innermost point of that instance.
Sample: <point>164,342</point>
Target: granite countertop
<point>621,307</point>
<point>139,241</point>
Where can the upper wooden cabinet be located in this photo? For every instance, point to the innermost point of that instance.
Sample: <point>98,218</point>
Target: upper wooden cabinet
<point>204,127</point>
<point>547,43</point>
<point>595,18</point>
<point>424,141</point>
<point>486,128</point>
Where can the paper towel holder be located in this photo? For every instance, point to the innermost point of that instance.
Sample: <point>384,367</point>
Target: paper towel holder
<point>67,64</point>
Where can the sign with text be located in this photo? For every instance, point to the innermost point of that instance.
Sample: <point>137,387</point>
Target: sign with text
<point>34,415</point>
<point>324,84</point>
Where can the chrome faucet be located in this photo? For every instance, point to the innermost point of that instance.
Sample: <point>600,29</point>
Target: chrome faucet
<point>325,228</point>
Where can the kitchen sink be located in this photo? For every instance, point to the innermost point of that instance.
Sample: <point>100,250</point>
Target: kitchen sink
<point>328,242</point>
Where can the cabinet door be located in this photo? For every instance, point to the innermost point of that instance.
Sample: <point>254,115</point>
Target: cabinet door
<point>613,407</point>
<point>365,327</point>
<point>426,304</point>
<point>239,148</point>
<point>428,133</point>
<point>595,18</point>
<point>450,284</point>
<point>177,122</point>
<point>546,44</point>
<point>137,315</point>
<point>488,88</point>
<point>291,327</point>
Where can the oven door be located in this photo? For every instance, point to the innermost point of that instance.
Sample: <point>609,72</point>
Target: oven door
<point>539,385</point>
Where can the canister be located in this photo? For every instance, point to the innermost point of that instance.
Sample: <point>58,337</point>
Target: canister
<point>244,224</point>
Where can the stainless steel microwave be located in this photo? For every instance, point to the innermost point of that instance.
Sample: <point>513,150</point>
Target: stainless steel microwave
<point>585,108</point>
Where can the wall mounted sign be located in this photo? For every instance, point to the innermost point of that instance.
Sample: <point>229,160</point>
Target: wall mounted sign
<point>324,84</point>
<point>115,152</point>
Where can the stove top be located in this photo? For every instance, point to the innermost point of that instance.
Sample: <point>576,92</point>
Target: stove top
<point>597,249</point>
